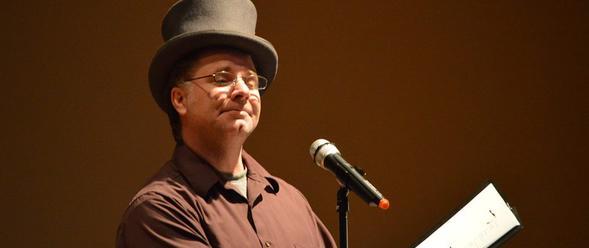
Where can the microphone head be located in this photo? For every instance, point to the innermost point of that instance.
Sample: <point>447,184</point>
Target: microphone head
<point>320,149</point>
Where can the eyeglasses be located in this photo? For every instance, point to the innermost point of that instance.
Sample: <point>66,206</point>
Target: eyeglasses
<point>225,78</point>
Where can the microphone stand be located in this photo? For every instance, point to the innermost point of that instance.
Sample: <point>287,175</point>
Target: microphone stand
<point>342,208</point>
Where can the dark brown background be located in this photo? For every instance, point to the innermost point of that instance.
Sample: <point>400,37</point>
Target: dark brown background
<point>431,97</point>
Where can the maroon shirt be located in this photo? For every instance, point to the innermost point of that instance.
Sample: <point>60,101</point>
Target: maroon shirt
<point>186,204</point>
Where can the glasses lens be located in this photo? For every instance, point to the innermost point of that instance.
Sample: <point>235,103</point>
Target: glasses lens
<point>223,78</point>
<point>253,81</point>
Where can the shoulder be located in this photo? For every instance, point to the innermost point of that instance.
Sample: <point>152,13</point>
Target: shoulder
<point>165,192</point>
<point>164,208</point>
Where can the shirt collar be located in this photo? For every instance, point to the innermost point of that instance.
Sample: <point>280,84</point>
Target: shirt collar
<point>202,176</point>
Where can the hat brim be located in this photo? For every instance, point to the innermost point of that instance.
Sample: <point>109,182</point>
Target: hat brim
<point>263,54</point>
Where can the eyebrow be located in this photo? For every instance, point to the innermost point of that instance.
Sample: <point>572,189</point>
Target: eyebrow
<point>229,69</point>
<point>224,68</point>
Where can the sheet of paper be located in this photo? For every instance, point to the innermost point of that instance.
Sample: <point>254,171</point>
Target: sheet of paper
<point>481,222</point>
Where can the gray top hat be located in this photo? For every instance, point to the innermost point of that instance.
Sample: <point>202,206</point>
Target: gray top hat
<point>190,25</point>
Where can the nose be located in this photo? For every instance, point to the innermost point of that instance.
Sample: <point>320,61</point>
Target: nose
<point>240,92</point>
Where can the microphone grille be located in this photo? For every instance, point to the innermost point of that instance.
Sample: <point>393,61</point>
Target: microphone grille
<point>320,149</point>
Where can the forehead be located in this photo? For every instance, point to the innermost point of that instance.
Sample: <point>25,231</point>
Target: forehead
<point>217,59</point>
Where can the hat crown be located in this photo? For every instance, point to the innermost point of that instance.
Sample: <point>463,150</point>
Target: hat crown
<point>189,16</point>
<point>190,25</point>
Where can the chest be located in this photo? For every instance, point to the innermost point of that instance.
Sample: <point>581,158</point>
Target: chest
<point>270,220</point>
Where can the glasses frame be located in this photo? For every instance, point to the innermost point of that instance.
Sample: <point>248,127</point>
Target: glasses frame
<point>262,81</point>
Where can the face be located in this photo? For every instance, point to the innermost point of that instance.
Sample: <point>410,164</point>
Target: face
<point>208,111</point>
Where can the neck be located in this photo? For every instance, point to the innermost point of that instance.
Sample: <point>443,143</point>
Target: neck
<point>223,154</point>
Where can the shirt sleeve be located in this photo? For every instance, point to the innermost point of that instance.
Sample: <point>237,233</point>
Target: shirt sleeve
<point>153,220</point>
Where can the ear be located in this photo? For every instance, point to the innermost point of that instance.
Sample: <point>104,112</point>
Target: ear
<point>178,97</point>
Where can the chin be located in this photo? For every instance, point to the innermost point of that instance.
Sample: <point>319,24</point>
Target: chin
<point>245,127</point>
<point>239,127</point>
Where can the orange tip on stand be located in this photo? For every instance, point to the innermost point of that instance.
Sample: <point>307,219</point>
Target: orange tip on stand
<point>383,204</point>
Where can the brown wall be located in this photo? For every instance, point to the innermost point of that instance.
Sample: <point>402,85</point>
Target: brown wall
<point>432,98</point>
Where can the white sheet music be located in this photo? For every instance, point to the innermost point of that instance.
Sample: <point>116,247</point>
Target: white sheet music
<point>481,222</point>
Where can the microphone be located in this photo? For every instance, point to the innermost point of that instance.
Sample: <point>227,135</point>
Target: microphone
<point>326,156</point>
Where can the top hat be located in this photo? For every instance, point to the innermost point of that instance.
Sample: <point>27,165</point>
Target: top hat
<point>191,25</point>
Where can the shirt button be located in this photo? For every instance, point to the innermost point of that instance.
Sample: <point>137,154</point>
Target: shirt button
<point>268,243</point>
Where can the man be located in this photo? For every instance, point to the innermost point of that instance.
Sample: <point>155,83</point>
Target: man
<point>208,77</point>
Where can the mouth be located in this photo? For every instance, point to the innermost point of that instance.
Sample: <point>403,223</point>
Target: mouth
<point>236,111</point>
